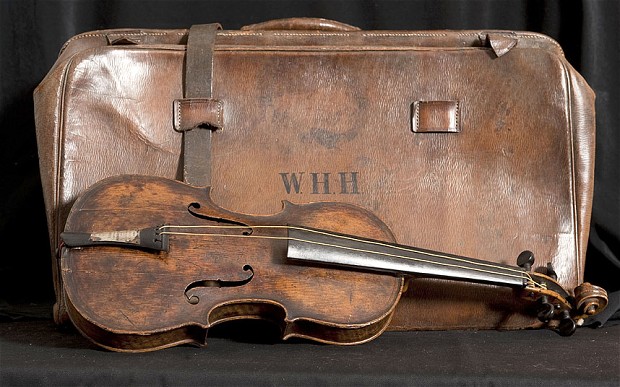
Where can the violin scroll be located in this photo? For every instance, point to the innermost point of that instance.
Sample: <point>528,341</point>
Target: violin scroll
<point>555,306</point>
<point>590,299</point>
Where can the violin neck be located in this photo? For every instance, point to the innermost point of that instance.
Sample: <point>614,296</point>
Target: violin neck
<point>334,249</point>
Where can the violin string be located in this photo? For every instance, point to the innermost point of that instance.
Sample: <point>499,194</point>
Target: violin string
<point>355,239</point>
<point>522,274</point>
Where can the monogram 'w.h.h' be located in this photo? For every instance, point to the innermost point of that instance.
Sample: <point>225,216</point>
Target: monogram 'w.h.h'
<point>319,183</point>
<point>475,143</point>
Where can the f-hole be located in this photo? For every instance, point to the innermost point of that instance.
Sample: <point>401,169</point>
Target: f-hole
<point>217,283</point>
<point>193,207</point>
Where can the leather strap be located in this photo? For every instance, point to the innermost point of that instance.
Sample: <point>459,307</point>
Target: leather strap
<point>198,76</point>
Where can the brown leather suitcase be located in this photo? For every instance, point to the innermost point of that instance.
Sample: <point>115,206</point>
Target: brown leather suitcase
<point>477,143</point>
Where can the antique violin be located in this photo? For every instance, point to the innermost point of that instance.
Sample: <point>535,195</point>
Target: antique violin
<point>149,263</point>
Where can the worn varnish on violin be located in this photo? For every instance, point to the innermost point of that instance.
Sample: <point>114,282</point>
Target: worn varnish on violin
<point>150,263</point>
<point>153,297</point>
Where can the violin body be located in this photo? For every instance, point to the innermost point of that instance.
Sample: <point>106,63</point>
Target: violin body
<point>140,299</point>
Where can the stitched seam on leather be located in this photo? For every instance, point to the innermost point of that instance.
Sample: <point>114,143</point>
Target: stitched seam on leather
<point>178,117</point>
<point>573,187</point>
<point>101,34</point>
<point>60,146</point>
<point>457,112</point>
<point>242,33</point>
<point>219,115</point>
<point>417,116</point>
<point>317,34</point>
<point>405,34</point>
<point>573,180</point>
<point>420,34</point>
<point>518,35</point>
<point>239,33</point>
<point>338,48</point>
<point>511,35</point>
<point>539,37</point>
<point>137,34</point>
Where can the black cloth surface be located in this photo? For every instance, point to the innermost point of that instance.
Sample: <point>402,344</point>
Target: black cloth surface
<point>37,353</point>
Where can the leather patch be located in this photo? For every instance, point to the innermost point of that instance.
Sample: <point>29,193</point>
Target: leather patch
<point>501,43</point>
<point>435,116</point>
<point>190,113</point>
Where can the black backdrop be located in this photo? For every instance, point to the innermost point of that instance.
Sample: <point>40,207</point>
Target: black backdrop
<point>32,32</point>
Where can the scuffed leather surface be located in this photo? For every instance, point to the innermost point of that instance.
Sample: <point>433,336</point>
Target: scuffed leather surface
<point>518,175</point>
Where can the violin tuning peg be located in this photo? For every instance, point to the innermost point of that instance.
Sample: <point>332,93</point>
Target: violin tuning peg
<point>551,272</point>
<point>526,260</point>
<point>567,325</point>
<point>545,309</point>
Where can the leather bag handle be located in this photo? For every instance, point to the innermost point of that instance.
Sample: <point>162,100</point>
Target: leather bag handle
<point>301,23</point>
